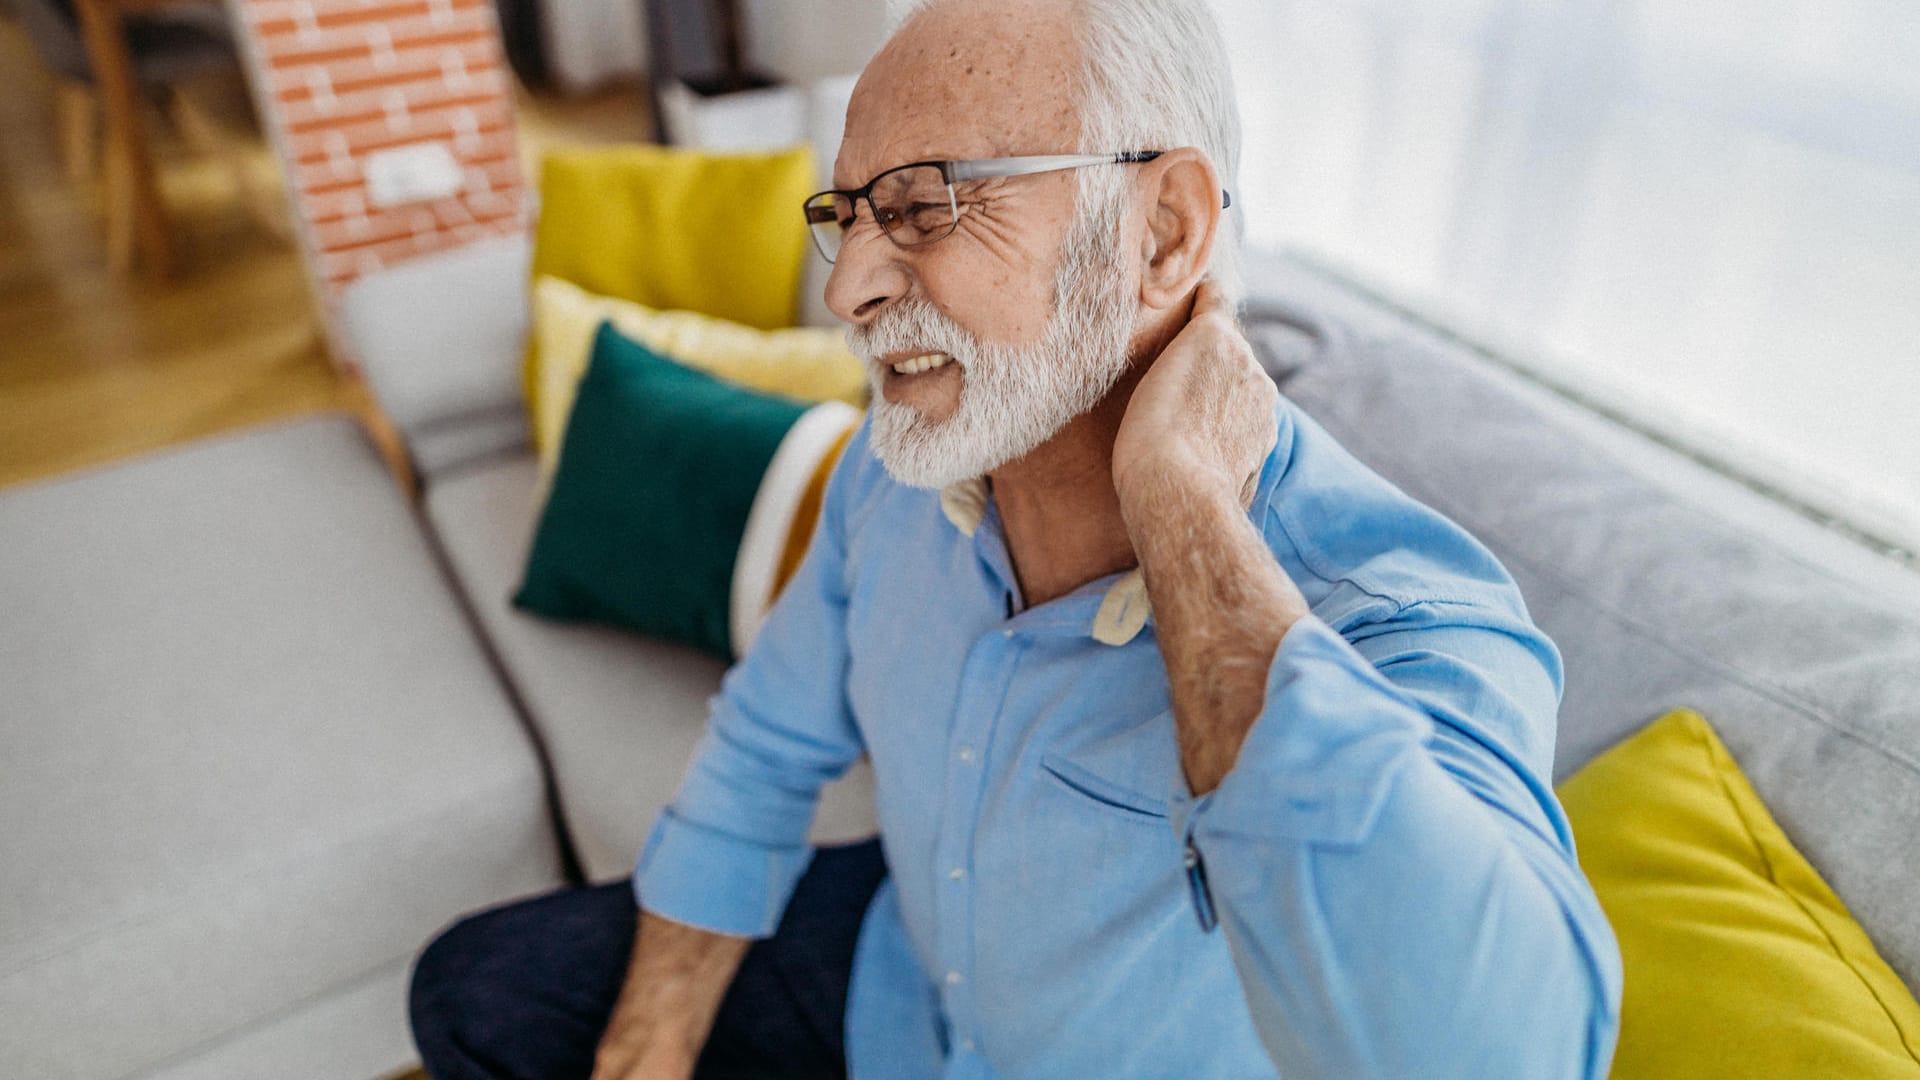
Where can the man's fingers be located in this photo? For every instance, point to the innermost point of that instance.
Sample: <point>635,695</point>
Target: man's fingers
<point>1209,300</point>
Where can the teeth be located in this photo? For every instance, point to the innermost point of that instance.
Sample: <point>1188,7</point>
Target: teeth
<point>922,363</point>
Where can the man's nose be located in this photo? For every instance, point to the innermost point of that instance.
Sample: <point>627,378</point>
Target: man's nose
<point>867,276</point>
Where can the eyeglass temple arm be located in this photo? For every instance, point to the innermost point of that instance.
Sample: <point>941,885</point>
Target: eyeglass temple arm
<point>1022,166</point>
<point>987,168</point>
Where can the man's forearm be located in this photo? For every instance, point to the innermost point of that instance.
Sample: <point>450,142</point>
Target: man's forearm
<point>1221,604</point>
<point>1397,870</point>
<point>675,982</point>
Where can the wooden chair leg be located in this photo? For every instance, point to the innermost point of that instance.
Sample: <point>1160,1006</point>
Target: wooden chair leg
<point>118,204</point>
<point>113,74</point>
<point>78,115</point>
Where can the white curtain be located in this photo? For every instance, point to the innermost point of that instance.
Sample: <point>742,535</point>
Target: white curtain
<point>1705,213</point>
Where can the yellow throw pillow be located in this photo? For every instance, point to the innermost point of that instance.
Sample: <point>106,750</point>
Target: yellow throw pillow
<point>720,234</point>
<point>1739,960</point>
<point>805,363</point>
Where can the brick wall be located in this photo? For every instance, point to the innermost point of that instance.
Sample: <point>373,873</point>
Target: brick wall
<point>341,79</point>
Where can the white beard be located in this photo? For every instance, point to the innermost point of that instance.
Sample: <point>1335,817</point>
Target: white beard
<point>1013,398</point>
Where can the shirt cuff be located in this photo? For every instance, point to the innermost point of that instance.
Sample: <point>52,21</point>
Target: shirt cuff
<point>711,880</point>
<point>1318,762</point>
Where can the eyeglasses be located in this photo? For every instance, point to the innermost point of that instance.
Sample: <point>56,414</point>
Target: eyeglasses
<point>914,204</point>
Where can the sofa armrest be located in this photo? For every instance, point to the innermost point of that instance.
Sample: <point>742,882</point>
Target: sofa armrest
<point>440,337</point>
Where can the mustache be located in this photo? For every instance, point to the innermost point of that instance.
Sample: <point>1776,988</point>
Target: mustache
<point>911,324</point>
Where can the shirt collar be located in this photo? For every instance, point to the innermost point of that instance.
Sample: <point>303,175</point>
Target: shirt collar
<point>1123,611</point>
<point>965,503</point>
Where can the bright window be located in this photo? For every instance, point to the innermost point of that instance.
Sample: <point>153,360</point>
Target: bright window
<point>1704,214</point>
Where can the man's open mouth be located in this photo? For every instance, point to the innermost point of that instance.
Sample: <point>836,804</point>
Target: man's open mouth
<point>914,365</point>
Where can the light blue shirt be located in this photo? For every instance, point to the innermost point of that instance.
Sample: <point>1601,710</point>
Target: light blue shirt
<point>1383,885</point>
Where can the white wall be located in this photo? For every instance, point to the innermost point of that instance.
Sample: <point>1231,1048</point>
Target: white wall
<point>804,40</point>
<point>590,42</point>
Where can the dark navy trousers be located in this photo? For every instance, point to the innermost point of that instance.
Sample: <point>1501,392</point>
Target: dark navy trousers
<point>523,992</point>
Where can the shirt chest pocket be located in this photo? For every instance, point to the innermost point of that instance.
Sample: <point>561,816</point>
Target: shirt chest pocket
<point>1128,772</point>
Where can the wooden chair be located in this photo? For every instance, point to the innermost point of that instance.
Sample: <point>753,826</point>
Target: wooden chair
<point>171,50</point>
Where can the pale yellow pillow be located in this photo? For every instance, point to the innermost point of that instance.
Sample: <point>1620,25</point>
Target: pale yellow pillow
<point>806,363</point>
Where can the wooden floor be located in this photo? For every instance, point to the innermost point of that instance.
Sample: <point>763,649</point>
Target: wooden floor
<point>94,366</point>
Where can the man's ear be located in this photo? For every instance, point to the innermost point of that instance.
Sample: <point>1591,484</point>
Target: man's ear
<point>1182,196</point>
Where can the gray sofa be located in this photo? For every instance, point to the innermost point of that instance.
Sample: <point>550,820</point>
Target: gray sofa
<point>267,725</point>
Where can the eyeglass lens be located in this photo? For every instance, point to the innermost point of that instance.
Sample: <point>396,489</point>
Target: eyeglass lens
<point>913,205</point>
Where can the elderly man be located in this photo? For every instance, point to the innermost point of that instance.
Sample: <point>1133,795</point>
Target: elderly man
<point>1201,751</point>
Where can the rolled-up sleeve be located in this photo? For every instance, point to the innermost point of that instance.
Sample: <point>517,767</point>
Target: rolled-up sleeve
<point>726,855</point>
<point>1395,878</point>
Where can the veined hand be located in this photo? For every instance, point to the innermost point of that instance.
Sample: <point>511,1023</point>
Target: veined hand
<point>1203,413</point>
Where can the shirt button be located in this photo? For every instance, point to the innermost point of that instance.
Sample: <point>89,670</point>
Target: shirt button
<point>966,1045</point>
<point>1008,634</point>
<point>966,754</point>
<point>956,873</point>
<point>954,978</point>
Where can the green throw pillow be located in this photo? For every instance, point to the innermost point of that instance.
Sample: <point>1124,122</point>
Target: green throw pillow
<point>680,502</point>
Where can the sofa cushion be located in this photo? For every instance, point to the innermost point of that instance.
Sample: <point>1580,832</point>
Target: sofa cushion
<point>1727,936</point>
<point>619,713</point>
<point>1662,587</point>
<point>439,447</point>
<point>349,1034</point>
<point>255,754</point>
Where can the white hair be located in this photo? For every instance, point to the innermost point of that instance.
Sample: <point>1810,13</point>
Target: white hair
<point>1154,75</point>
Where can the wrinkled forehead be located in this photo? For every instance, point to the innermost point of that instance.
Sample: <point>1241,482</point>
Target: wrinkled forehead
<point>966,79</point>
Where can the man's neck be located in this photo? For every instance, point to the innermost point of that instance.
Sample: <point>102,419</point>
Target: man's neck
<point>1058,506</point>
